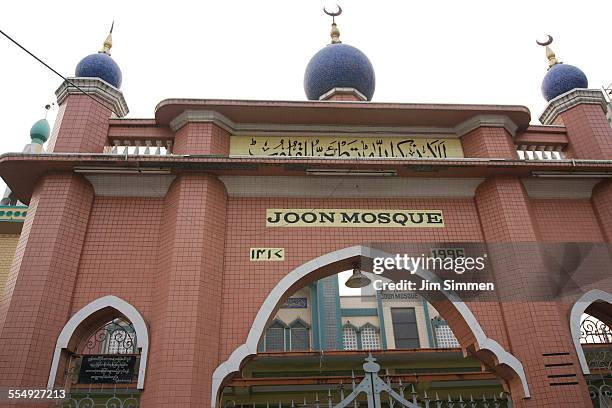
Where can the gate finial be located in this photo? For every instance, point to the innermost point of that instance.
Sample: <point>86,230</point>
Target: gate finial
<point>370,366</point>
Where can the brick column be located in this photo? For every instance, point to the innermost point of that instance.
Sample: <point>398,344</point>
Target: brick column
<point>201,132</point>
<point>536,327</point>
<point>601,200</point>
<point>186,318</point>
<point>38,294</point>
<point>582,112</point>
<point>488,136</point>
<point>85,129</point>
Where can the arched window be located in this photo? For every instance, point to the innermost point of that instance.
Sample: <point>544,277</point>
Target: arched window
<point>114,337</point>
<point>369,337</point>
<point>445,338</point>
<point>349,337</point>
<point>275,337</point>
<point>594,331</point>
<point>300,335</point>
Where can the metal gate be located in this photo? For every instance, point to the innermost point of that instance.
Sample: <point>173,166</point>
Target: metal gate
<point>374,388</point>
<point>375,391</point>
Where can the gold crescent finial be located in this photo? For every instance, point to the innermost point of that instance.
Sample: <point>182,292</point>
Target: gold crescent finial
<point>335,32</point>
<point>108,43</point>
<point>550,54</point>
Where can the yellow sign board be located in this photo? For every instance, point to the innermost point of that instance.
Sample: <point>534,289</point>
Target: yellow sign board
<point>345,146</point>
<point>267,254</point>
<point>354,218</point>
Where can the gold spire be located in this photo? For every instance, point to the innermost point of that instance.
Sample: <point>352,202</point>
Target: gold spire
<point>552,59</point>
<point>550,54</point>
<point>108,43</point>
<point>335,32</point>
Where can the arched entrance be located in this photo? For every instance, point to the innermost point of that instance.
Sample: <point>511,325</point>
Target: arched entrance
<point>591,328</point>
<point>460,318</point>
<point>101,355</point>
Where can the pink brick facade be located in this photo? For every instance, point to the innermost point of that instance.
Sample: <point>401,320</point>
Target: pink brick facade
<point>181,257</point>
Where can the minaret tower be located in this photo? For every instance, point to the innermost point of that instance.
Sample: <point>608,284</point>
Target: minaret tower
<point>89,99</point>
<point>581,110</point>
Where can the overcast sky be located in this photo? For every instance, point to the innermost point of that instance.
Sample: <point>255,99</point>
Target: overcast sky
<point>426,51</point>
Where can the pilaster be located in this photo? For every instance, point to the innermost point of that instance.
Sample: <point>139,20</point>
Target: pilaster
<point>583,113</point>
<point>82,121</point>
<point>536,328</point>
<point>186,316</point>
<point>38,294</point>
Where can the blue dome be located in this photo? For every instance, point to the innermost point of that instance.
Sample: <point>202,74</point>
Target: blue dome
<point>339,66</point>
<point>99,65</point>
<point>562,78</point>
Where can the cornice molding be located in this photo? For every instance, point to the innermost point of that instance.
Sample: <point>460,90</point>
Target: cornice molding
<point>343,91</point>
<point>478,121</point>
<point>569,100</point>
<point>202,116</point>
<point>107,94</point>
<point>255,129</point>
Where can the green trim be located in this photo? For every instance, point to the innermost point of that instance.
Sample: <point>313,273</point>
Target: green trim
<point>13,213</point>
<point>359,312</point>
<point>338,315</point>
<point>287,339</point>
<point>432,342</point>
<point>314,311</point>
<point>381,320</point>
<point>320,317</point>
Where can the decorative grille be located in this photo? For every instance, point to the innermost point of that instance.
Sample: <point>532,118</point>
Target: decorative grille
<point>369,338</point>
<point>445,337</point>
<point>349,338</point>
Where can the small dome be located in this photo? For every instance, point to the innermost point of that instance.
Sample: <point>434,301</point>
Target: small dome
<point>40,131</point>
<point>339,66</point>
<point>102,66</point>
<point>562,78</point>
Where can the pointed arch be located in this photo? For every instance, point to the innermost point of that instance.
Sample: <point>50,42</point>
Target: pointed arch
<point>369,325</point>
<point>121,306</point>
<point>299,322</point>
<point>369,335</point>
<point>579,308</point>
<point>483,345</point>
<point>299,335</point>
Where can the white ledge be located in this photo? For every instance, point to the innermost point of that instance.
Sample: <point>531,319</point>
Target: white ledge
<point>478,121</point>
<point>343,91</point>
<point>101,90</point>
<point>569,100</point>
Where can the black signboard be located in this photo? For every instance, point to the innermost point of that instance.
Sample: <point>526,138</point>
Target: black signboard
<point>105,369</point>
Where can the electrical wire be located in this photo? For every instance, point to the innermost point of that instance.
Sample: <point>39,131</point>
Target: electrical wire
<point>54,71</point>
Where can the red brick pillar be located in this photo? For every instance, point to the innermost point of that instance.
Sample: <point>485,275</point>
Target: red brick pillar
<point>201,132</point>
<point>488,136</point>
<point>582,112</point>
<point>85,129</point>
<point>602,204</point>
<point>186,317</point>
<point>38,294</point>
<point>536,327</point>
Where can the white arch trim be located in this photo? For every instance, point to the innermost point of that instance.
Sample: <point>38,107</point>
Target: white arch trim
<point>249,348</point>
<point>594,295</point>
<point>129,311</point>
